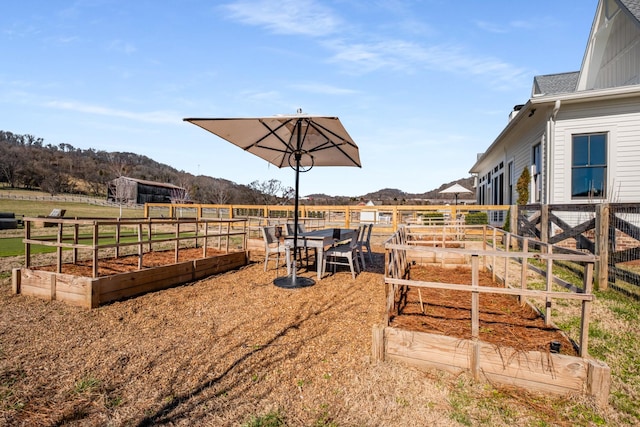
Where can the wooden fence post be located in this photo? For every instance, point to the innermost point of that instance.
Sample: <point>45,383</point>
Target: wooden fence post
<point>377,343</point>
<point>602,246</point>
<point>475,317</point>
<point>544,223</point>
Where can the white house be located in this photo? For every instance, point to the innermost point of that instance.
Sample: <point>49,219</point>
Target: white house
<point>579,133</point>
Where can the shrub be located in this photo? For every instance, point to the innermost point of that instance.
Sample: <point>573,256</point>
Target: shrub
<point>432,217</point>
<point>476,218</point>
<point>522,186</point>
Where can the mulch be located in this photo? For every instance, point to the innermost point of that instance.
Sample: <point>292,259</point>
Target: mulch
<point>226,348</point>
<point>504,321</point>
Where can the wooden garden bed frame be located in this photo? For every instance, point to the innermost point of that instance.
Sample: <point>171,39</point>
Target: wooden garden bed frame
<point>545,372</point>
<point>91,292</point>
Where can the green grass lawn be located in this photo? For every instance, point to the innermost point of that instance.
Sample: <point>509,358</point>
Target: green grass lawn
<point>35,208</point>
<point>13,246</point>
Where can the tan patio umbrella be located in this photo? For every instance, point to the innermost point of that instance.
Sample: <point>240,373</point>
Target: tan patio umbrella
<point>299,141</point>
<point>455,189</point>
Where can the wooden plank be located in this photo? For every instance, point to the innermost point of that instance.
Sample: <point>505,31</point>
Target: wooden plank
<point>544,372</point>
<point>566,255</point>
<point>15,280</point>
<point>599,382</point>
<point>627,228</point>
<point>586,311</point>
<point>36,283</point>
<point>533,369</point>
<point>625,255</point>
<point>377,343</point>
<point>574,232</point>
<point>151,279</point>
<point>602,247</point>
<point>219,264</point>
<point>491,289</point>
<point>571,232</point>
<point>69,284</point>
<point>442,350</point>
<point>583,207</point>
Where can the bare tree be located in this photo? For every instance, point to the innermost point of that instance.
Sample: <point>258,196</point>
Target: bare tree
<point>272,191</point>
<point>220,192</point>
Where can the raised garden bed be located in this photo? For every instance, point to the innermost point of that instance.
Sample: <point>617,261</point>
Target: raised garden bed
<point>464,319</point>
<point>120,278</point>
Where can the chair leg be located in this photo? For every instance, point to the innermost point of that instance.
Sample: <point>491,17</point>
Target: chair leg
<point>353,273</point>
<point>266,261</point>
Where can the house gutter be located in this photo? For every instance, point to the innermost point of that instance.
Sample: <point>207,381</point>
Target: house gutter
<point>551,143</point>
<point>566,98</point>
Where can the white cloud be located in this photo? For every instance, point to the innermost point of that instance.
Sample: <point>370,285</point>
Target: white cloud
<point>147,117</point>
<point>323,89</point>
<point>492,27</point>
<point>305,17</point>
<point>122,46</point>
<point>411,57</point>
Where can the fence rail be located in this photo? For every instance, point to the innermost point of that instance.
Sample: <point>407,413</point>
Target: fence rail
<point>385,218</point>
<point>610,231</point>
<point>147,233</point>
<point>496,250</point>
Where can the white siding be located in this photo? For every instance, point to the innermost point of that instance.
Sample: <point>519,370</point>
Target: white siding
<point>622,123</point>
<point>621,57</point>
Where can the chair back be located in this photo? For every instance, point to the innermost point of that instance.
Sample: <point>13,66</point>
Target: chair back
<point>301,229</point>
<point>269,234</point>
<point>368,233</point>
<point>362,231</point>
<point>353,243</point>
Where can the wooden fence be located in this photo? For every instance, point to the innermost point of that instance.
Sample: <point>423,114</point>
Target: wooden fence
<point>611,231</point>
<point>97,239</point>
<point>386,219</point>
<point>146,233</point>
<point>492,248</point>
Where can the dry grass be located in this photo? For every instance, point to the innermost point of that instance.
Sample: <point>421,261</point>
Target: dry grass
<point>223,350</point>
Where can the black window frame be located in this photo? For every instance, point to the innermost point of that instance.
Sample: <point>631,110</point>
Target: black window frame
<point>590,166</point>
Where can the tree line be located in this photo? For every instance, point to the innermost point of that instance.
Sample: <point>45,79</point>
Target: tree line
<point>27,162</point>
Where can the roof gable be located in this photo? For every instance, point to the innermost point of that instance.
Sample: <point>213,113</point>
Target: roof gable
<point>613,50</point>
<point>633,6</point>
<point>555,83</point>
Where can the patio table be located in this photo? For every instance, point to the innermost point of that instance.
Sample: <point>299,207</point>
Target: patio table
<point>316,239</point>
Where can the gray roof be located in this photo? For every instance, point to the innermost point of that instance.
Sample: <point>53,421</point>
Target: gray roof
<point>632,6</point>
<point>556,83</point>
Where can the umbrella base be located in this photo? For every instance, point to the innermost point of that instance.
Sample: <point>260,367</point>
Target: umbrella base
<point>293,282</point>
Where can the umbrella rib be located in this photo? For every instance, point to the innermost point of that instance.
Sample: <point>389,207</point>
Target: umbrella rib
<point>330,143</point>
<point>287,145</point>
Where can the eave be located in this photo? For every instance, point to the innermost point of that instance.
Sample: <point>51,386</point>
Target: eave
<point>537,102</point>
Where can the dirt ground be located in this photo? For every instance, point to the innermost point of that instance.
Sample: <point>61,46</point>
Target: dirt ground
<point>503,320</point>
<point>222,350</point>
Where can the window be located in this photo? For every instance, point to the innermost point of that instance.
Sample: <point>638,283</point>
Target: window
<point>537,173</point>
<point>589,166</point>
<point>510,179</point>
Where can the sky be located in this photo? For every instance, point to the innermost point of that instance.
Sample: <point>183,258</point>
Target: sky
<point>421,86</point>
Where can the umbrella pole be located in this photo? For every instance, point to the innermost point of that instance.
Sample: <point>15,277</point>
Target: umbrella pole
<point>294,281</point>
<point>295,214</point>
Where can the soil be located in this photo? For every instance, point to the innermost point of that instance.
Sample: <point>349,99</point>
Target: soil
<point>110,266</point>
<point>503,320</point>
<point>223,350</point>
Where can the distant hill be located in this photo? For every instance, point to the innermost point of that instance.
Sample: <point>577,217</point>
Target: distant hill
<point>432,196</point>
<point>27,162</point>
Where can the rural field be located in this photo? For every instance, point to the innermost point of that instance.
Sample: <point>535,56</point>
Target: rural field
<point>235,350</point>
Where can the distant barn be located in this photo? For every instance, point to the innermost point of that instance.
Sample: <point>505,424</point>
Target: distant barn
<point>127,190</point>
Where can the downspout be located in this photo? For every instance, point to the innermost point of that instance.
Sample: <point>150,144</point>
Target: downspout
<point>551,129</point>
